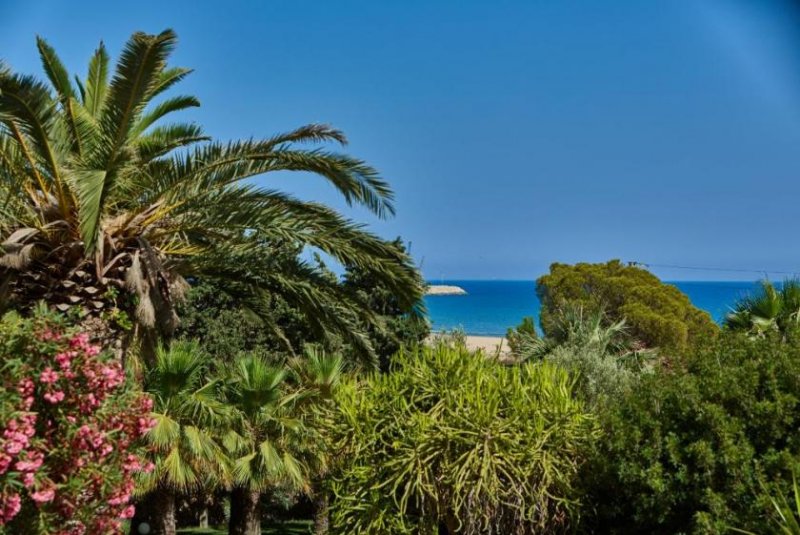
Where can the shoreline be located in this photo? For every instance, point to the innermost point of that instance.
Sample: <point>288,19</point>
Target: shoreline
<point>487,343</point>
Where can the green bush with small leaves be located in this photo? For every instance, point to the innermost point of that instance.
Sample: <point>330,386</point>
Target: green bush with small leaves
<point>689,449</point>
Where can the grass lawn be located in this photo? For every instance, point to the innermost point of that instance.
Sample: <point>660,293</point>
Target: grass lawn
<point>292,527</point>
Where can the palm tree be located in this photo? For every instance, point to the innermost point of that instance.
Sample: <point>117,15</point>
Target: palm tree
<point>189,417</point>
<point>771,309</point>
<point>318,376</point>
<point>106,208</point>
<point>260,442</point>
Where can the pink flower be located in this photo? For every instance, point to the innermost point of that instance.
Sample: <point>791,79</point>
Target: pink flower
<point>28,480</point>
<point>29,466</point>
<point>147,403</point>
<point>106,449</point>
<point>63,359</point>
<point>120,499</point>
<point>80,340</point>
<point>13,447</point>
<point>128,512</point>
<point>54,397</point>
<point>44,495</point>
<point>25,387</point>
<point>5,462</point>
<point>11,506</point>
<point>48,376</point>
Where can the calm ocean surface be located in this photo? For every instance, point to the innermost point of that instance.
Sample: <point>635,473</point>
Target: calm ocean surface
<point>490,307</point>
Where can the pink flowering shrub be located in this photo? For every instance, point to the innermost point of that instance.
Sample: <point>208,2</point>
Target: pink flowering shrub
<point>70,430</point>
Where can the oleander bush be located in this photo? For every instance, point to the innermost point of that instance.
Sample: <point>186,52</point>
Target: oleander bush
<point>690,448</point>
<point>71,428</point>
<point>450,440</point>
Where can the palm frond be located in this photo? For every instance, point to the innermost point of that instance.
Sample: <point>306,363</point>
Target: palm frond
<point>96,87</point>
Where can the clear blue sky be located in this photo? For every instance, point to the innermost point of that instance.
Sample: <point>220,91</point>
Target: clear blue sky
<point>515,134</point>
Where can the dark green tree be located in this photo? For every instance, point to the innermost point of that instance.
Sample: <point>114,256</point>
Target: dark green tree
<point>398,323</point>
<point>655,313</point>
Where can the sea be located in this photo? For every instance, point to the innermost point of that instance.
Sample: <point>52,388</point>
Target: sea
<point>492,306</point>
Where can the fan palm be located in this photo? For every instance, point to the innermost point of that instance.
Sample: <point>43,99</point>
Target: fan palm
<point>260,442</point>
<point>106,206</point>
<point>188,419</point>
<point>319,376</point>
<point>771,309</point>
<point>574,326</point>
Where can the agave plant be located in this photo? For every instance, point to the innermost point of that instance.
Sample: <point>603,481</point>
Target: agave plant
<point>107,206</point>
<point>771,309</point>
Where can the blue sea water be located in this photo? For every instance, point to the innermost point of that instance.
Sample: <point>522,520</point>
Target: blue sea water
<point>492,306</point>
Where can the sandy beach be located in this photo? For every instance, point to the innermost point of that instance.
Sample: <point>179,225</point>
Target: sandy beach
<point>489,344</point>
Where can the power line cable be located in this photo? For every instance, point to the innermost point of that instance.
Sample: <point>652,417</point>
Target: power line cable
<point>706,268</point>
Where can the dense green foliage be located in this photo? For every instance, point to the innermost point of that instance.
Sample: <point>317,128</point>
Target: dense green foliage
<point>687,450</point>
<point>656,314</point>
<point>453,440</point>
<point>226,323</point>
<point>771,310</point>
<point>225,326</point>
<point>241,424</point>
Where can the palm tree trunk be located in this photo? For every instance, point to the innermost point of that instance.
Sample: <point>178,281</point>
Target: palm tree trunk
<point>321,506</point>
<point>245,512</point>
<point>157,509</point>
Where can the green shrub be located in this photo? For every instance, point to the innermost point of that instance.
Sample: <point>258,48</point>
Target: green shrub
<point>688,450</point>
<point>452,440</point>
<point>656,314</point>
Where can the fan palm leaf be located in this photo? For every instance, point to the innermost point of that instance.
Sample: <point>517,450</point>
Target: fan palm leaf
<point>770,309</point>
